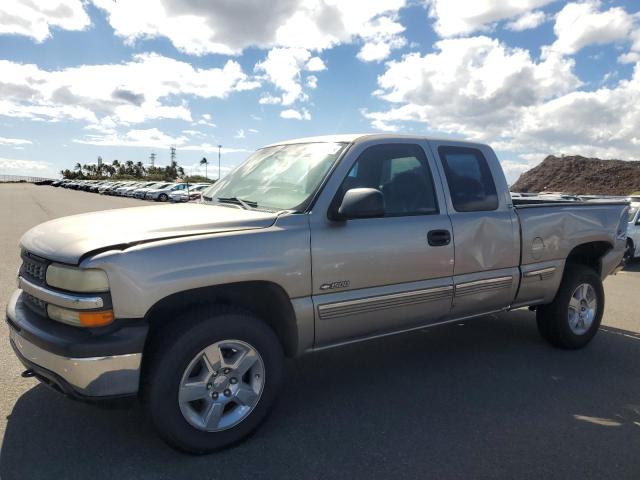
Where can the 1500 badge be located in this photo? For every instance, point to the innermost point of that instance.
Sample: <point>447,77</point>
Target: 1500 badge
<point>333,285</point>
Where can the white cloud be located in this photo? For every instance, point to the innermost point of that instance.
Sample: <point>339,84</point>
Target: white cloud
<point>460,17</point>
<point>150,137</point>
<point>315,64</point>
<point>36,18</point>
<point>581,24</point>
<point>142,89</point>
<point>14,141</point>
<point>283,67</point>
<point>470,85</point>
<point>200,27</point>
<point>240,134</point>
<point>629,57</point>
<point>210,148</point>
<point>269,99</point>
<point>206,120</point>
<point>295,114</point>
<point>527,21</point>
<point>312,82</point>
<point>524,109</point>
<point>193,133</point>
<point>29,166</point>
<point>381,35</point>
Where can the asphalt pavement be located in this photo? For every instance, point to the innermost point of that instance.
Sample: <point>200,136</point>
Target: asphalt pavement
<point>486,398</point>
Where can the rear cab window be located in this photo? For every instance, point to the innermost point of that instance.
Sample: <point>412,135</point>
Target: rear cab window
<point>469,178</point>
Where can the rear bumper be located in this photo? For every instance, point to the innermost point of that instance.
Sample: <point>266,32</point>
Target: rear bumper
<point>611,262</point>
<point>77,362</point>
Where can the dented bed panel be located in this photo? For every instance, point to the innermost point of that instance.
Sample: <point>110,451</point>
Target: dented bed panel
<point>551,232</point>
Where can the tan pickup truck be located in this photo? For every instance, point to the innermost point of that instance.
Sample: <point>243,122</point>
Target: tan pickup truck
<point>309,244</point>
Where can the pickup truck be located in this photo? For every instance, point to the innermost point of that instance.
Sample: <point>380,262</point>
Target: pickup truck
<point>309,244</point>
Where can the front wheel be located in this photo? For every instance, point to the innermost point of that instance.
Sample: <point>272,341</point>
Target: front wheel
<point>573,318</point>
<point>163,197</point>
<point>215,381</point>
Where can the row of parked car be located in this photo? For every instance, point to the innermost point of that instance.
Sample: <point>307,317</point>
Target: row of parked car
<point>157,191</point>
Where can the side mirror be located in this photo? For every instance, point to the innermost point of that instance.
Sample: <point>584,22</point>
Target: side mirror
<point>361,203</point>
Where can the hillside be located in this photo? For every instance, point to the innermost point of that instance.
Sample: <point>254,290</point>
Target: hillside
<point>580,175</point>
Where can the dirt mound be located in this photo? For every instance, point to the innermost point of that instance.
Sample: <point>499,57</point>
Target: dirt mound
<point>581,176</point>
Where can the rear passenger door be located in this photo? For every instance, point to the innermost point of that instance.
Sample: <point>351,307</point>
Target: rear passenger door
<point>485,229</point>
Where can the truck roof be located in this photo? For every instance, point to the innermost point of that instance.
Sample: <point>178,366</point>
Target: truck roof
<point>355,137</point>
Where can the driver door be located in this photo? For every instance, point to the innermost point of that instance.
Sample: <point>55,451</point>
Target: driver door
<point>372,276</point>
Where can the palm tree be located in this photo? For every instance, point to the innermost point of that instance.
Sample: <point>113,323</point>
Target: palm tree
<point>129,167</point>
<point>204,162</point>
<point>140,170</point>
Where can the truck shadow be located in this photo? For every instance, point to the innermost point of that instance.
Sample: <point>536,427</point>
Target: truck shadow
<point>632,266</point>
<point>486,398</point>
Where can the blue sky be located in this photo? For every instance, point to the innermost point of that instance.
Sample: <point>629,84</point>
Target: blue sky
<point>79,79</point>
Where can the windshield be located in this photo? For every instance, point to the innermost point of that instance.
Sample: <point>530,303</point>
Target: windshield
<point>282,177</point>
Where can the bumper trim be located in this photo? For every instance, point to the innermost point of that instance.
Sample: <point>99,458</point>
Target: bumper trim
<point>61,299</point>
<point>107,376</point>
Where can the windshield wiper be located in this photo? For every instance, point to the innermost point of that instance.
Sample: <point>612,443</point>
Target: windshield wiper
<point>246,204</point>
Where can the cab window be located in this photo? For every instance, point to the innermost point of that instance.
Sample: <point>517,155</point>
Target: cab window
<point>401,173</point>
<point>469,178</point>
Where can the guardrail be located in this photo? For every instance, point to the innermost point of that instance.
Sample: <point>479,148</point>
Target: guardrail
<point>22,178</point>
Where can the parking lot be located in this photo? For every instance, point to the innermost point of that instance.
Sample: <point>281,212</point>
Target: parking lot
<point>483,399</point>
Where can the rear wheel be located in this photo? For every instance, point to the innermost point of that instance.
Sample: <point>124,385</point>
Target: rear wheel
<point>215,381</point>
<point>573,318</point>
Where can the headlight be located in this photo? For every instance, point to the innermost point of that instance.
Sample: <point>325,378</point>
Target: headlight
<point>77,279</point>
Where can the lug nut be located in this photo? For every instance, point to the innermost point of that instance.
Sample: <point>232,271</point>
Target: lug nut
<point>209,386</point>
<point>226,370</point>
<point>257,376</point>
<point>214,374</point>
<point>227,392</point>
<point>233,381</point>
<point>214,395</point>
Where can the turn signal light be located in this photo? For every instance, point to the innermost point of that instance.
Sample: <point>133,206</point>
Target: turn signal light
<point>96,319</point>
<point>79,318</point>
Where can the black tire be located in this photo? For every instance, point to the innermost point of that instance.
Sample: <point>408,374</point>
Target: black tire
<point>173,349</point>
<point>553,319</point>
<point>628,253</point>
<point>163,197</point>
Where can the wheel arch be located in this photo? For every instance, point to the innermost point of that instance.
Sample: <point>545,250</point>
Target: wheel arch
<point>589,254</point>
<point>266,300</point>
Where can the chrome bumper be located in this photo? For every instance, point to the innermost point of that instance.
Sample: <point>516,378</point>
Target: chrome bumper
<point>89,377</point>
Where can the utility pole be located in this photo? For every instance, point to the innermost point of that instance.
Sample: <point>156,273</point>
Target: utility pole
<point>172,151</point>
<point>152,159</point>
<point>219,147</point>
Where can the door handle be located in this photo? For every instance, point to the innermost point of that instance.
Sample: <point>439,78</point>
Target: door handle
<point>439,238</point>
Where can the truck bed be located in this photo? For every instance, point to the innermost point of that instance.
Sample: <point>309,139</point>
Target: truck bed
<point>552,231</point>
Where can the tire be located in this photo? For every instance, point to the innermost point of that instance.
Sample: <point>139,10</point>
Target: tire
<point>560,323</point>
<point>628,253</point>
<point>172,355</point>
<point>163,197</point>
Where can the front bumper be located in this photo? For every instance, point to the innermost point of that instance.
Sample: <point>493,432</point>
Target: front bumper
<point>78,362</point>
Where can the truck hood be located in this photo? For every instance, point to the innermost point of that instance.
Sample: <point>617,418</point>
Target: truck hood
<point>67,239</point>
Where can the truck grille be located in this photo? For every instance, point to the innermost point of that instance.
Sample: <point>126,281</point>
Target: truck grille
<point>33,268</point>
<point>35,304</point>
